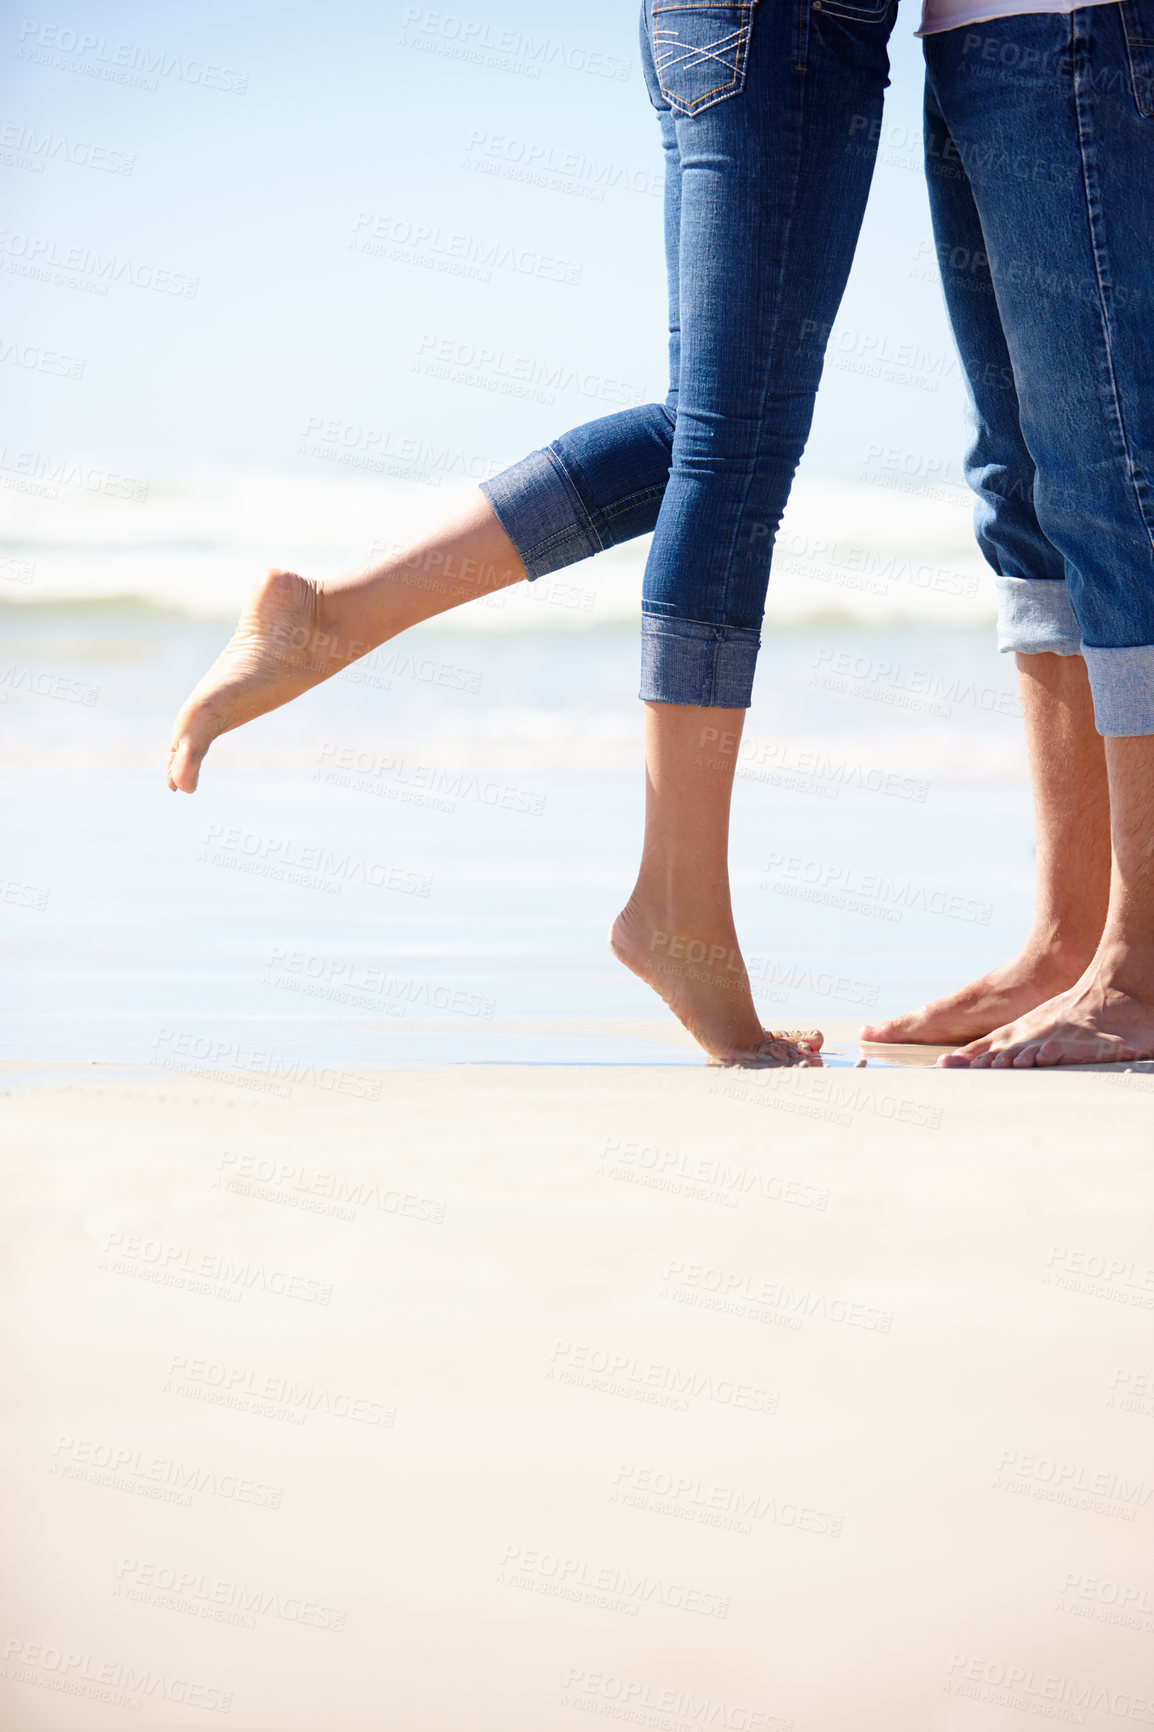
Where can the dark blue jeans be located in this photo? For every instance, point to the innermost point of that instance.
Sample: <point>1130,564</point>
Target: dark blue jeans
<point>769,116</point>
<point>1040,160</point>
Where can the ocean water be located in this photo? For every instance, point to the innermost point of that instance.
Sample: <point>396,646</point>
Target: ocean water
<point>418,862</point>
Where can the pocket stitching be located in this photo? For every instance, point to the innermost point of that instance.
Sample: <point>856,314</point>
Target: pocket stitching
<point>1141,71</point>
<point>687,106</point>
<point>858,16</point>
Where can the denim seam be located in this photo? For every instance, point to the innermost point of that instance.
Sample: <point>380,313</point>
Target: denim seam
<point>705,655</point>
<point>633,499</point>
<point>581,521</point>
<point>1079,46</point>
<point>593,520</point>
<point>550,543</point>
<point>772,347</point>
<point>676,619</point>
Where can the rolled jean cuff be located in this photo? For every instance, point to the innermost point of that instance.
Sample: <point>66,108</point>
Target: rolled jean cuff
<point>1035,617</point>
<point>686,661</point>
<point>537,506</point>
<point>1122,681</point>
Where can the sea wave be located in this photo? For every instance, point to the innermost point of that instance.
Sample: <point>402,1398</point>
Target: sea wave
<point>847,551</point>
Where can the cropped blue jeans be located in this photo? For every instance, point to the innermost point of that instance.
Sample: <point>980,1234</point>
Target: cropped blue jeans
<point>1040,161</point>
<point>769,113</point>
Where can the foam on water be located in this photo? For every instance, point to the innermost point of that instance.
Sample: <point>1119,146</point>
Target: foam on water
<point>894,550</point>
<point>418,862</point>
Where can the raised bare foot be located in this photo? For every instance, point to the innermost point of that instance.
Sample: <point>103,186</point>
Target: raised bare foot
<point>702,978</point>
<point>986,1004</point>
<point>278,650</point>
<point>1100,1020</point>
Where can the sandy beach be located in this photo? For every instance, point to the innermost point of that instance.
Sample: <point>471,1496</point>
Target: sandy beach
<point>532,1397</point>
<point>405,1330</point>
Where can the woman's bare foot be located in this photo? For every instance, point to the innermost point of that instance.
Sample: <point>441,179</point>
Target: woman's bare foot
<point>1108,1016</point>
<point>279,649</point>
<point>986,1004</point>
<point>701,976</point>
<point>295,633</point>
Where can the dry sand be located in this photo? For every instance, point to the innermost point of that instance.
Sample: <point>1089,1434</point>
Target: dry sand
<point>503,1399</point>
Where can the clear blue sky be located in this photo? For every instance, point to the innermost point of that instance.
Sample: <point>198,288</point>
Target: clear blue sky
<point>279,137</point>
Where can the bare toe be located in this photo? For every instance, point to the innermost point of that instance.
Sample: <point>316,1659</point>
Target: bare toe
<point>809,1039</point>
<point>965,1055</point>
<point>1049,1053</point>
<point>770,1055</point>
<point>184,761</point>
<point>276,652</point>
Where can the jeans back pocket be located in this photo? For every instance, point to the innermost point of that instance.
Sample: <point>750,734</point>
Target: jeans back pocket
<point>1138,24</point>
<point>700,50</point>
<point>857,11</point>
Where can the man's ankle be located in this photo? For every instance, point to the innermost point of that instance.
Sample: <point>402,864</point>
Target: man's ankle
<point>1060,953</point>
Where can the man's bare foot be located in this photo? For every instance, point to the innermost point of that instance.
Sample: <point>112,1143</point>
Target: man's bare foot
<point>278,650</point>
<point>703,980</point>
<point>1104,1018</point>
<point>989,1003</point>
